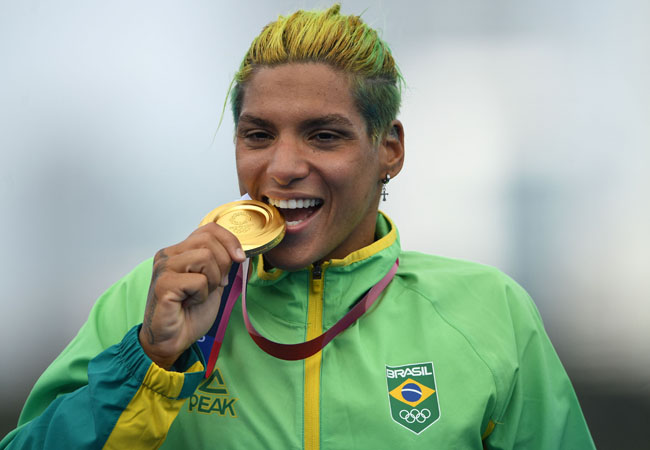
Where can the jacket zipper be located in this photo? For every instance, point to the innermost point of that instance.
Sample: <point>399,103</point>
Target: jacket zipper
<point>313,363</point>
<point>317,271</point>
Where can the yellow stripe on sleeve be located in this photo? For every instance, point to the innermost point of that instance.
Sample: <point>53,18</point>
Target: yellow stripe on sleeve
<point>145,421</point>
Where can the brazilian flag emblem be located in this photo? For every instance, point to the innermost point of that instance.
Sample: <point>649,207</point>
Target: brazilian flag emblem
<point>413,395</point>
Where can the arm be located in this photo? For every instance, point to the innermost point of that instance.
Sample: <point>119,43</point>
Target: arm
<point>542,411</point>
<point>182,300</point>
<point>128,402</point>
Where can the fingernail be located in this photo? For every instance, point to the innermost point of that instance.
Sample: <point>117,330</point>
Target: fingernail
<point>224,281</point>
<point>240,253</point>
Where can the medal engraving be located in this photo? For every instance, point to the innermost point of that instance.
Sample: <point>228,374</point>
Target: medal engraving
<point>240,222</point>
<point>258,226</point>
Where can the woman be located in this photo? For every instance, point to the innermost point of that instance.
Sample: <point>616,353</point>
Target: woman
<point>452,355</point>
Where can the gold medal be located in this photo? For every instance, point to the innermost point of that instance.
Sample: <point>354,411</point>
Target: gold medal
<point>258,226</point>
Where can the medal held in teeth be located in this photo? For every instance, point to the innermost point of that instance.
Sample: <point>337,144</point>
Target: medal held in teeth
<point>258,226</point>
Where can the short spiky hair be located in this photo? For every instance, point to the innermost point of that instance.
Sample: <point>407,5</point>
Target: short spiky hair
<point>343,42</point>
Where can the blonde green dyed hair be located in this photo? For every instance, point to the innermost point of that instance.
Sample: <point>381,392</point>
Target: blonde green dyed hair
<point>343,42</point>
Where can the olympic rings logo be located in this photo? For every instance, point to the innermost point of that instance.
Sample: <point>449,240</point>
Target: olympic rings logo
<point>415,415</point>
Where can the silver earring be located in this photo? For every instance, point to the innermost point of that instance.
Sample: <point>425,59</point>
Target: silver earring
<point>384,192</point>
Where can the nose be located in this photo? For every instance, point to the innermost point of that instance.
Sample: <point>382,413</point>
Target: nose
<point>287,164</point>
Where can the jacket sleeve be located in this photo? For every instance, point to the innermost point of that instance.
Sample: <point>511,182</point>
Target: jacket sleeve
<point>542,410</point>
<point>129,402</point>
<point>103,389</point>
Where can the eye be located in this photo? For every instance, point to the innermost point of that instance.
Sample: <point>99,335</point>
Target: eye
<point>256,138</point>
<point>326,138</point>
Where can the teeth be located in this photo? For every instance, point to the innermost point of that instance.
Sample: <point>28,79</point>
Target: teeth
<point>295,203</point>
<point>293,222</point>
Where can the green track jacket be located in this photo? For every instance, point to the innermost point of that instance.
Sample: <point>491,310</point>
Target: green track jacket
<point>453,355</point>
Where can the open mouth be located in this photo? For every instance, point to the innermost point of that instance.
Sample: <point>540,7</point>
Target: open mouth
<point>295,210</point>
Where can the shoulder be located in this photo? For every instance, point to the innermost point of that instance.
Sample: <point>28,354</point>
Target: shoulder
<point>437,276</point>
<point>479,301</point>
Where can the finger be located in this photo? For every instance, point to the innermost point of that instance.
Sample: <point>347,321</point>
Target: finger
<point>207,239</point>
<point>222,244</point>
<point>201,260</point>
<point>228,240</point>
<point>179,311</point>
<point>209,236</point>
<point>175,288</point>
<point>213,238</point>
<point>188,304</point>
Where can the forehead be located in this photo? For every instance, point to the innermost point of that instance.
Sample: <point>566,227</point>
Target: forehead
<point>299,91</point>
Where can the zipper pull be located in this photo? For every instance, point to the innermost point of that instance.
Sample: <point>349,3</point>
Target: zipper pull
<point>317,271</point>
<point>317,278</point>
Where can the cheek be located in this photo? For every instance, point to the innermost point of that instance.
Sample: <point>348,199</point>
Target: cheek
<point>357,172</point>
<point>353,181</point>
<point>248,168</point>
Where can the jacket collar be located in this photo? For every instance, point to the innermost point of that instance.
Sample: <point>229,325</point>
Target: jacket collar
<point>284,294</point>
<point>386,236</point>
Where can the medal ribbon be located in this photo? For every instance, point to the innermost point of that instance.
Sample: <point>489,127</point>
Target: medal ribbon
<point>290,352</point>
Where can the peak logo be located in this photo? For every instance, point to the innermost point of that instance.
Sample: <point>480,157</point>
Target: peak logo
<point>212,396</point>
<point>413,396</point>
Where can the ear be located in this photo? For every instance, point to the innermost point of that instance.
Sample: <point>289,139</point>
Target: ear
<point>392,150</point>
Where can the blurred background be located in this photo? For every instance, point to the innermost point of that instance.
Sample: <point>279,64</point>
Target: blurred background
<point>528,148</point>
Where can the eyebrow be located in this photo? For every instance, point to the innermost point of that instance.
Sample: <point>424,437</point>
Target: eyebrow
<point>330,119</point>
<point>323,121</point>
<point>254,120</point>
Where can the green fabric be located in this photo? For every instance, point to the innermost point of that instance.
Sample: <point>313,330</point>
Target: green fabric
<point>480,330</point>
<point>85,417</point>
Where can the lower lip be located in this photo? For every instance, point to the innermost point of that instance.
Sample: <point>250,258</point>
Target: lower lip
<point>297,228</point>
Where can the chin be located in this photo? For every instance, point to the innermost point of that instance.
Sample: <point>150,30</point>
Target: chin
<point>287,260</point>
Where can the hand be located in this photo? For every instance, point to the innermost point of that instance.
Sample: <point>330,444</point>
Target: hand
<point>185,292</point>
